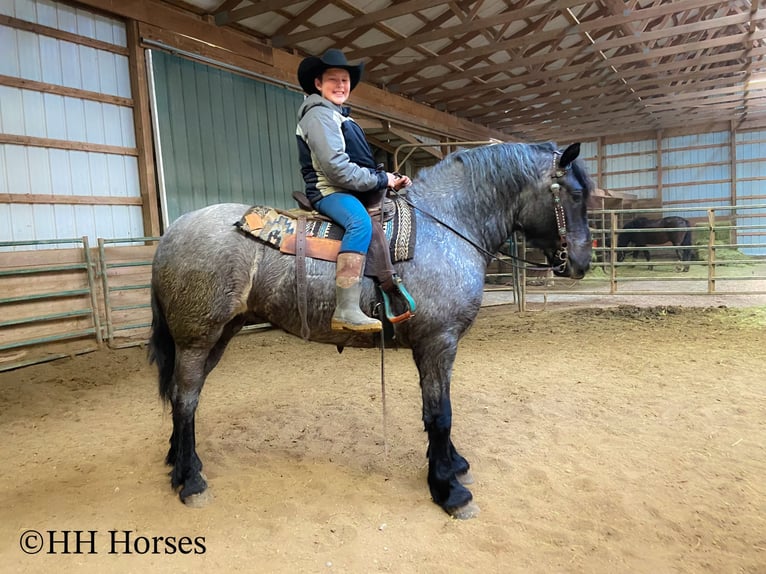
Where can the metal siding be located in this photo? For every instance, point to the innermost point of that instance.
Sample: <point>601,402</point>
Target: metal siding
<point>751,175</point>
<point>705,189</point>
<point>39,170</point>
<point>223,137</point>
<point>638,161</point>
<point>589,155</point>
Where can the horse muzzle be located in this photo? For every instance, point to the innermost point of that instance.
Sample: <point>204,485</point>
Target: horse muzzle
<point>566,262</point>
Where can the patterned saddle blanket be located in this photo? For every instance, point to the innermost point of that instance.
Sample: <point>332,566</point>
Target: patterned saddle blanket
<point>278,228</point>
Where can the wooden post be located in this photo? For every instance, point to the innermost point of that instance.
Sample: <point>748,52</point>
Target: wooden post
<point>143,127</point>
<point>733,190</point>
<point>659,167</point>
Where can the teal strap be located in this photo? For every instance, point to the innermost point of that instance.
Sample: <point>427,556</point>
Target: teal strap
<point>401,291</point>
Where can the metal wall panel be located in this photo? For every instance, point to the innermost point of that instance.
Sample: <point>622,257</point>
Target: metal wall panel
<point>26,112</point>
<point>696,171</point>
<point>222,137</point>
<point>751,181</point>
<point>589,155</point>
<point>631,167</point>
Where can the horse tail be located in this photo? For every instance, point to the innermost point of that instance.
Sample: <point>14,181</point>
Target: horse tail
<point>162,349</point>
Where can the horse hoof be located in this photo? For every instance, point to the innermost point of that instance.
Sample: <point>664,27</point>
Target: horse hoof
<point>468,510</point>
<point>198,500</point>
<point>194,491</point>
<point>465,478</point>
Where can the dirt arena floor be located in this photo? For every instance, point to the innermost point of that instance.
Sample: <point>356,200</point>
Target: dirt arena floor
<point>602,440</point>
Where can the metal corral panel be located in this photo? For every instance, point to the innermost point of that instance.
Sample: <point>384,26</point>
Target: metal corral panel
<point>223,137</point>
<point>40,170</point>
<point>751,180</point>
<point>631,167</point>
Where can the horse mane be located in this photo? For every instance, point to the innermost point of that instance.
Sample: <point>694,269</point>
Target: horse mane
<point>487,167</point>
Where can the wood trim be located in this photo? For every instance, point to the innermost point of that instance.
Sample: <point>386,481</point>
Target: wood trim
<point>50,199</point>
<point>24,84</point>
<point>702,200</point>
<point>733,169</point>
<point>697,182</point>
<point>65,144</point>
<point>139,88</point>
<point>745,142</point>
<point>660,167</point>
<point>697,147</point>
<point>633,153</point>
<point>61,35</point>
<point>626,171</point>
<point>601,160</point>
<point>688,165</point>
<point>631,188</point>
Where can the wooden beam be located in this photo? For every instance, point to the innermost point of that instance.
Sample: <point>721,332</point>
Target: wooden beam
<point>392,11</point>
<point>255,9</point>
<point>33,85</point>
<point>508,16</point>
<point>552,56</point>
<point>50,199</point>
<point>66,144</point>
<point>147,182</point>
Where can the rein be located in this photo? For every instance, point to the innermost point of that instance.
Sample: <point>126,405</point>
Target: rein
<point>562,253</point>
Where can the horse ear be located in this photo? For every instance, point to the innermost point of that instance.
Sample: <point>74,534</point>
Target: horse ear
<point>570,154</point>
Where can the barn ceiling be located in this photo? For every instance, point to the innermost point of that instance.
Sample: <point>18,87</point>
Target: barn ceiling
<point>537,69</point>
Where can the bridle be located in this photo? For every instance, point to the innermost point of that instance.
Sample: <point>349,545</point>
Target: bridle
<point>562,253</point>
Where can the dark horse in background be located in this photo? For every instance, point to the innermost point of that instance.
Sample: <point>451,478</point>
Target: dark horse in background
<point>209,280</point>
<point>675,230</point>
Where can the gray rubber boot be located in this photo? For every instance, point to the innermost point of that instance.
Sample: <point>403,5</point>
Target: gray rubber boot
<point>348,316</point>
<point>348,288</point>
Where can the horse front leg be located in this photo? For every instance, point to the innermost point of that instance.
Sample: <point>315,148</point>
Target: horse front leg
<point>447,469</point>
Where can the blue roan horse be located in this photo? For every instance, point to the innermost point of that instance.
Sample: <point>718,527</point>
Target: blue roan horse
<point>209,279</point>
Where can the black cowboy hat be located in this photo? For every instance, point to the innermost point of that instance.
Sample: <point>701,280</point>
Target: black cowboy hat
<point>313,67</point>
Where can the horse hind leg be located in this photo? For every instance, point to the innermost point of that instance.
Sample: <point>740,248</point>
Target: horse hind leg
<point>182,454</point>
<point>187,466</point>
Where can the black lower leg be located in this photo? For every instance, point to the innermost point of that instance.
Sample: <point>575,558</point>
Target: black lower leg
<point>187,464</point>
<point>446,490</point>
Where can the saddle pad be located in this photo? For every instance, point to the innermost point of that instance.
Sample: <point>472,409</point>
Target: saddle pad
<point>278,228</point>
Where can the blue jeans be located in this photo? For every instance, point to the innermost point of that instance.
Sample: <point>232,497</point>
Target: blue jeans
<point>348,212</point>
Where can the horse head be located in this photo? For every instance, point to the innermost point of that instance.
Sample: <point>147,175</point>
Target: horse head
<point>555,218</point>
